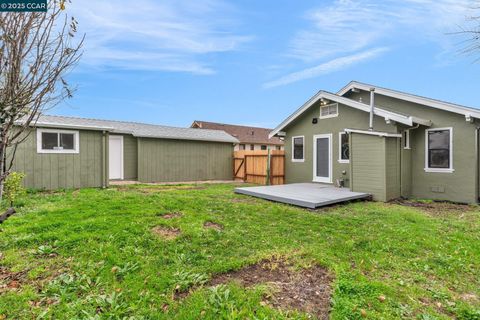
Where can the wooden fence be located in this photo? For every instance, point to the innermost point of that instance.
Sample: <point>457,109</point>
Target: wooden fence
<point>254,167</point>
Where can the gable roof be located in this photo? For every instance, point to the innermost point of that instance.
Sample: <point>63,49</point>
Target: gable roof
<point>434,103</point>
<point>245,134</point>
<point>387,115</point>
<point>136,129</point>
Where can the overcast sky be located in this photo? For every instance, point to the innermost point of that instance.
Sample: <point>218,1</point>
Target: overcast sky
<point>254,62</point>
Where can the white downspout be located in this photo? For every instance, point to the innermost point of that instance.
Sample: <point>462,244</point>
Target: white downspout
<point>372,108</point>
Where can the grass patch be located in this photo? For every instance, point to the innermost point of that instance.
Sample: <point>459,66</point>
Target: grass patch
<point>92,254</point>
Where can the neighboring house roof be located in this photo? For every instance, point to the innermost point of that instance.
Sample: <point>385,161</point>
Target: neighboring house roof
<point>134,128</point>
<point>387,115</point>
<point>245,134</point>
<point>434,103</point>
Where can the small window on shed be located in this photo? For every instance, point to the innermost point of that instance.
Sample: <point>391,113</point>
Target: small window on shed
<point>329,111</point>
<point>241,147</point>
<point>298,150</point>
<point>57,141</point>
<point>263,147</point>
<point>252,147</point>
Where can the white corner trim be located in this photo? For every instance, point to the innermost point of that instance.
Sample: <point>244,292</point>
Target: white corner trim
<point>315,177</point>
<point>293,149</point>
<point>375,133</point>
<point>439,170</point>
<point>340,160</point>
<point>76,138</point>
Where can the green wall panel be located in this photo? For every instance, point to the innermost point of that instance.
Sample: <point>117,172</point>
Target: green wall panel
<point>165,160</point>
<point>55,171</point>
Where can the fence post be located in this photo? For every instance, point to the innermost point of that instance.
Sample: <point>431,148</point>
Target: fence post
<point>268,168</point>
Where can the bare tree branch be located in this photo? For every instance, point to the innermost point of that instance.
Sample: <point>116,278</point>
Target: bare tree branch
<point>37,49</point>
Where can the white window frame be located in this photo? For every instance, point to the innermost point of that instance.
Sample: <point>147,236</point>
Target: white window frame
<point>76,137</point>
<point>439,170</point>
<point>293,149</point>
<point>330,115</point>
<point>406,138</point>
<point>340,160</point>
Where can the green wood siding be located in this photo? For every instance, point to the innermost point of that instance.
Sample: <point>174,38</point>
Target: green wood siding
<point>392,168</point>
<point>164,160</point>
<point>347,118</point>
<point>458,186</point>
<point>130,157</point>
<point>54,171</point>
<point>367,159</point>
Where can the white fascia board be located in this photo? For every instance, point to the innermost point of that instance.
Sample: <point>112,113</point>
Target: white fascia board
<point>375,133</point>
<point>346,101</point>
<point>446,106</point>
<point>65,126</point>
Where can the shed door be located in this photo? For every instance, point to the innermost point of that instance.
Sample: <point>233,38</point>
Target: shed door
<point>322,158</point>
<point>115,157</point>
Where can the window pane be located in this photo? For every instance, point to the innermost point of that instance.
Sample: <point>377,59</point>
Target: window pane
<point>345,152</point>
<point>439,158</point>
<point>49,140</point>
<point>298,148</point>
<point>439,149</point>
<point>324,111</point>
<point>439,139</point>
<point>264,147</point>
<point>332,110</point>
<point>67,141</point>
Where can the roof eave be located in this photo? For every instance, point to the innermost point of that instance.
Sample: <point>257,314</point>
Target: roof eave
<point>446,106</point>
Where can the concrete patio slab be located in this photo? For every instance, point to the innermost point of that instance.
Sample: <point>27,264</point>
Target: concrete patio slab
<point>307,195</point>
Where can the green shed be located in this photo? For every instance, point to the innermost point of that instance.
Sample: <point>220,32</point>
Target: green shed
<point>68,152</point>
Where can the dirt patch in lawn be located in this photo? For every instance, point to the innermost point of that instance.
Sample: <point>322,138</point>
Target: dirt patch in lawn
<point>306,290</point>
<point>11,280</point>
<point>166,233</point>
<point>435,207</point>
<point>171,215</point>
<point>212,225</point>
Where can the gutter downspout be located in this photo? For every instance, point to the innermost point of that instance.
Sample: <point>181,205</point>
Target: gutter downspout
<point>372,108</point>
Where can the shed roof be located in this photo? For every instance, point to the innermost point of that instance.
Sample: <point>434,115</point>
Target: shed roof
<point>134,128</point>
<point>245,134</point>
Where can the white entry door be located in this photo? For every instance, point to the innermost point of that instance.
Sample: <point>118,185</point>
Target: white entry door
<point>115,157</point>
<point>322,158</point>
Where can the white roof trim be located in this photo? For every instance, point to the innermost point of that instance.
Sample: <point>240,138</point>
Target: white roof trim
<point>375,133</point>
<point>65,126</point>
<point>387,115</point>
<point>446,106</point>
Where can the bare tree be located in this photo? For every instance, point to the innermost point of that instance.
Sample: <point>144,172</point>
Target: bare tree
<point>470,33</point>
<point>37,49</point>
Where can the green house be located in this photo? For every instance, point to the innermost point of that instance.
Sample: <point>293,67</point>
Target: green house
<point>384,142</point>
<point>68,152</point>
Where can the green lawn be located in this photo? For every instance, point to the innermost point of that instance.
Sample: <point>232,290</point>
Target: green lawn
<point>91,254</point>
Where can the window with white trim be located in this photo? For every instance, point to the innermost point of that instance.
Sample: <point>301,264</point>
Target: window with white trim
<point>343,147</point>
<point>57,141</point>
<point>298,149</point>
<point>438,151</point>
<point>406,139</point>
<point>329,111</point>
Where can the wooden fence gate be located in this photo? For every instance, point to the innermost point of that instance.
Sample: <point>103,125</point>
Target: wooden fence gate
<point>254,167</point>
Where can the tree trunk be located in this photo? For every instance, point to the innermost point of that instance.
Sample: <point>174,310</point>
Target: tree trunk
<point>6,215</point>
